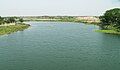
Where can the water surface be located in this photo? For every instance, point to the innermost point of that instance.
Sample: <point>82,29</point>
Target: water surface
<point>59,46</point>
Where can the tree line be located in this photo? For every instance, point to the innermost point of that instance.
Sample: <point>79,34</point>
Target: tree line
<point>7,20</point>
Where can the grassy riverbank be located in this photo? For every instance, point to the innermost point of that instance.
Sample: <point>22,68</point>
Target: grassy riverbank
<point>108,31</point>
<point>12,28</point>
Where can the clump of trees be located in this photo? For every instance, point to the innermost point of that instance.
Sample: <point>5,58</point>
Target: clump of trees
<point>111,19</point>
<point>1,20</point>
<point>21,20</point>
<point>8,20</point>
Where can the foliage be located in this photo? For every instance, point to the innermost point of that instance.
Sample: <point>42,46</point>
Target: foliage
<point>67,19</point>
<point>10,20</point>
<point>111,19</point>
<point>108,31</point>
<point>1,20</point>
<point>13,28</point>
<point>21,20</point>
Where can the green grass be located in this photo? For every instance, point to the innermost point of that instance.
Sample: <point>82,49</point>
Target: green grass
<point>108,31</point>
<point>13,28</point>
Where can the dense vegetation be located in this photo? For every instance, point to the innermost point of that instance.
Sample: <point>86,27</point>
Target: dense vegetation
<point>5,28</point>
<point>7,20</point>
<point>111,21</point>
<point>12,28</point>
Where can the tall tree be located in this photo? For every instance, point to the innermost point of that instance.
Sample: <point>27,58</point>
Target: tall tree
<point>111,17</point>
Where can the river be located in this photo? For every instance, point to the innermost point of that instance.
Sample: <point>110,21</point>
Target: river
<point>59,46</point>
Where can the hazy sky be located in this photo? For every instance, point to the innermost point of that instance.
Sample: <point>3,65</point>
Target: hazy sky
<point>56,7</point>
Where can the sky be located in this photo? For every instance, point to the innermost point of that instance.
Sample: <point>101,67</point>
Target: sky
<point>56,7</point>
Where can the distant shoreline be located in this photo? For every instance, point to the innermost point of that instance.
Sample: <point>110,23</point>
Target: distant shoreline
<point>84,19</point>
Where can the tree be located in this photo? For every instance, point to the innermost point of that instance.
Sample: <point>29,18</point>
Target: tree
<point>10,20</point>
<point>111,18</point>
<point>21,20</point>
<point>1,20</point>
<point>0,17</point>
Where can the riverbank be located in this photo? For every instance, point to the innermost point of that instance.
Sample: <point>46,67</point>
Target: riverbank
<point>80,19</point>
<point>108,32</point>
<point>12,28</point>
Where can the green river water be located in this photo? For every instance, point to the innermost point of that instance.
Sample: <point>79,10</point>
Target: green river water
<point>59,46</point>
